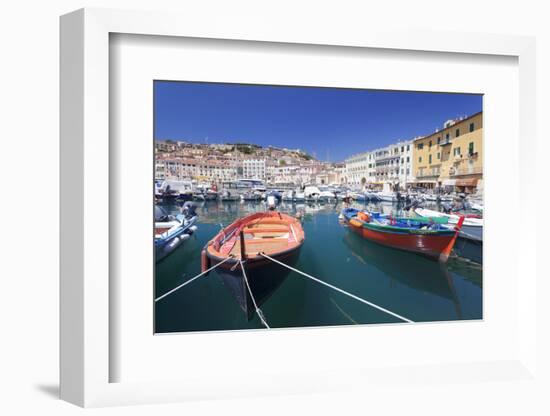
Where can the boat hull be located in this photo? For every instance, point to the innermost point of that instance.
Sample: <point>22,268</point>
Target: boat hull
<point>167,245</point>
<point>469,248</point>
<point>263,275</point>
<point>427,245</point>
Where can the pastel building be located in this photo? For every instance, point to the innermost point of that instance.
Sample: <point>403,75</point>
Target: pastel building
<point>452,157</point>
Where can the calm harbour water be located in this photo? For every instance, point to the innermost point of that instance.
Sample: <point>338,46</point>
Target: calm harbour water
<point>407,284</point>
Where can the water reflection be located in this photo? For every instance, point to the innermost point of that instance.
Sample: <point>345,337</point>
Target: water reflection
<point>416,272</point>
<point>410,285</point>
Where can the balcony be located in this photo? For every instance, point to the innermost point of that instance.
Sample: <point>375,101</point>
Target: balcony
<point>427,175</point>
<point>453,172</point>
<point>445,142</point>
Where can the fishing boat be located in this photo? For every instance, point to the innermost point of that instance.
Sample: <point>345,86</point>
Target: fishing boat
<point>277,235</point>
<point>426,237</point>
<point>171,231</point>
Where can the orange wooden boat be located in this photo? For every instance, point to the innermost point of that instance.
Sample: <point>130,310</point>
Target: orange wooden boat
<point>278,235</point>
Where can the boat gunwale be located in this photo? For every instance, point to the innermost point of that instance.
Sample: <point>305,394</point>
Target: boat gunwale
<point>214,254</point>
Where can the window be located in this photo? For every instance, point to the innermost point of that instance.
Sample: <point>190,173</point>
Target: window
<point>439,155</point>
<point>408,160</point>
<point>457,132</point>
<point>420,159</point>
<point>430,159</point>
<point>471,148</point>
<point>402,149</point>
<point>447,137</point>
<point>408,148</point>
<point>420,146</point>
<point>471,127</point>
<point>439,140</point>
<point>430,144</point>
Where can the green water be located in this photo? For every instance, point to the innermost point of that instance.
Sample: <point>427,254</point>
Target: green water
<point>415,287</point>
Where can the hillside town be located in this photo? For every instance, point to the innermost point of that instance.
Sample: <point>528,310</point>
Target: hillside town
<point>450,159</point>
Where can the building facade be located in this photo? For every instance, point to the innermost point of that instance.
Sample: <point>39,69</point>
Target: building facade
<point>391,164</point>
<point>451,158</point>
<point>359,169</point>
<point>183,169</point>
<point>254,169</point>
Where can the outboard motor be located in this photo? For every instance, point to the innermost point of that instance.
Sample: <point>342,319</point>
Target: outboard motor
<point>446,207</point>
<point>189,209</point>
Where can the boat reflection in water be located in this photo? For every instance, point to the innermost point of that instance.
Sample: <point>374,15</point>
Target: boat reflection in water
<point>416,272</point>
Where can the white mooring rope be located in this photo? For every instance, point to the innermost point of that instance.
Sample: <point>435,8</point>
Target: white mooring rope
<point>258,310</point>
<point>338,289</point>
<point>190,280</point>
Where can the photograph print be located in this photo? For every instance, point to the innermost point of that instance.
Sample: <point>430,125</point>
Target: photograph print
<point>295,207</point>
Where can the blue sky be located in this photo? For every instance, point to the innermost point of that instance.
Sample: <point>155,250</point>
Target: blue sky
<point>326,122</point>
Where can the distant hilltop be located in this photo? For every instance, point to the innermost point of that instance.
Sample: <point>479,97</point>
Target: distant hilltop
<point>247,150</point>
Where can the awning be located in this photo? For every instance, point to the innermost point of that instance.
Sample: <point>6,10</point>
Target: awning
<point>449,182</point>
<point>466,182</point>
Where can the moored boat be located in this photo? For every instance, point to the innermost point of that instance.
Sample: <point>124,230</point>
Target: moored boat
<point>472,226</point>
<point>277,235</point>
<point>171,231</point>
<point>425,237</point>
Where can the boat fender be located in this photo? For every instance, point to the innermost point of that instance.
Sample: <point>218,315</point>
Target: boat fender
<point>185,237</point>
<point>363,216</point>
<point>205,261</point>
<point>174,243</point>
<point>193,228</point>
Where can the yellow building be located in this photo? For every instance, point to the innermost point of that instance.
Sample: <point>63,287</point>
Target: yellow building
<point>451,158</point>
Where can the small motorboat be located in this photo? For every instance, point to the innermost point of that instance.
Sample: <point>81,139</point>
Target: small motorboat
<point>171,231</point>
<point>470,239</point>
<point>473,225</point>
<point>357,196</point>
<point>251,196</point>
<point>288,196</point>
<point>327,196</point>
<point>198,196</point>
<point>299,196</point>
<point>373,196</point>
<point>277,235</point>
<point>311,193</point>
<point>226,196</point>
<point>387,196</point>
<point>426,237</point>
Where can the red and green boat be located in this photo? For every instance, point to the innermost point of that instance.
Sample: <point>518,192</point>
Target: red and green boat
<point>425,236</point>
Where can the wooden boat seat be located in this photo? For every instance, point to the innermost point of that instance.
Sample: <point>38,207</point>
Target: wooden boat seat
<point>266,230</point>
<point>262,234</point>
<point>260,245</point>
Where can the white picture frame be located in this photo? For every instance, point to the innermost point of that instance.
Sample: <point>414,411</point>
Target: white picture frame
<point>86,355</point>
